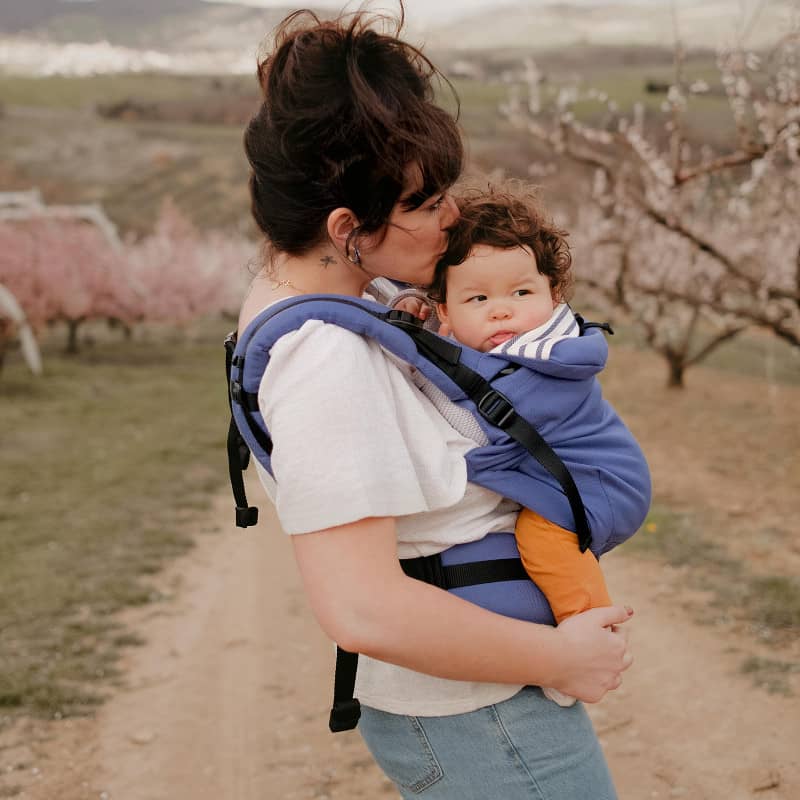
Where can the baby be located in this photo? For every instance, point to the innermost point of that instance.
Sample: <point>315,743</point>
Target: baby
<point>502,286</point>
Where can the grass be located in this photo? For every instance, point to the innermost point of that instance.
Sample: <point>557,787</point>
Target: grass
<point>70,92</point>
<point>104,459</point>
<point>756,354</point>
<point>129,168</point>
<point>770,674</point>
<point>768,605</point>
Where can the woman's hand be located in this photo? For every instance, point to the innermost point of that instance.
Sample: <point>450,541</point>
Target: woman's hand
<point>595,651</point>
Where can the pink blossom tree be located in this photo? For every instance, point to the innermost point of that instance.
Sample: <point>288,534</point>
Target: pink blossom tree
<point>185,274</point>
<point>66,265</point>
<point>64,271</point>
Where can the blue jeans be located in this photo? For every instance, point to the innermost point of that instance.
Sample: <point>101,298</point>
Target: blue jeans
<point>525,748</point>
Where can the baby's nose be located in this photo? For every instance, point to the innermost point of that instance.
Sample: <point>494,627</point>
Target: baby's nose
<point>500,311</point>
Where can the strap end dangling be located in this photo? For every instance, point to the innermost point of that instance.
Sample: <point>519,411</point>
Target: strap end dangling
<point>246,516</point>
<point>345,715</point>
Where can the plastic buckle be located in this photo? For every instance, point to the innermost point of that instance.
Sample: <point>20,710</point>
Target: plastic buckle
<point>403,319</point>
<point>236,392</point>
<point>246,516</point>
<point>497,409</point>
<point>230,341</point>
<point>345,715</point>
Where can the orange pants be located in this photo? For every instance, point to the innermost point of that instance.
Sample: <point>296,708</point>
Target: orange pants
<point>570,580</point>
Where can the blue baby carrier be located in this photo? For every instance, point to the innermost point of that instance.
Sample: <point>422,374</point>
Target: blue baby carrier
<point>516,408</point>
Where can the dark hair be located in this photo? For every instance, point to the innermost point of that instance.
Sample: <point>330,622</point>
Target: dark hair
<point>511,216</point>
<point>346,110</point>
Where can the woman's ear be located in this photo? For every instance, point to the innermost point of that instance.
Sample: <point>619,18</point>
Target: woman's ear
<point>340,225</point>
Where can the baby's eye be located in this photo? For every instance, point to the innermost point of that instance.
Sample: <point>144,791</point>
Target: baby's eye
<point>476,298</point>
<point>522,292</point>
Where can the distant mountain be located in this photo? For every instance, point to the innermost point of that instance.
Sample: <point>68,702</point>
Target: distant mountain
<point>39,36</point>
<point>34,15</point>
<point>169,25</point>
<point>550,25</point>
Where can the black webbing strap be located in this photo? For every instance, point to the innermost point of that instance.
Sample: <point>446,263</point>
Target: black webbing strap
<point>497,409</point>
<point>583,325</point>
<point>346,710</point>
<point>456,576</point>
<point>238,452</point>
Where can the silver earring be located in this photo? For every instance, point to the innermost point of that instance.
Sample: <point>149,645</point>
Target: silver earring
<point>356,257</point>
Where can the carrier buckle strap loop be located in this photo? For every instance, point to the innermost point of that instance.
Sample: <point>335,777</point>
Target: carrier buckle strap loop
<point>497,409</point>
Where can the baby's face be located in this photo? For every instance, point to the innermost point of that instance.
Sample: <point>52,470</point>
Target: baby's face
<point>494,295</point>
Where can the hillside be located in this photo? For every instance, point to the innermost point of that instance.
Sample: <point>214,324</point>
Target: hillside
<point>168,25</point>
<point>40,15</point>
<point>176,26</point>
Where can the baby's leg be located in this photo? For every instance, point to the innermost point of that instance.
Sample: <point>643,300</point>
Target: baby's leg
<point>570,580</point>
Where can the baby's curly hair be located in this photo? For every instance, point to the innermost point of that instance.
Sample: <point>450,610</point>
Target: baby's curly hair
<point>508,216</point>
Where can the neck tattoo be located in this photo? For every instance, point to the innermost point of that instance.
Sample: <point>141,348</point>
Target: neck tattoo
<point>327,261</point>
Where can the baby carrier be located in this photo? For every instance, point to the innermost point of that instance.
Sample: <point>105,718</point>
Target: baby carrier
<point>517,408</point>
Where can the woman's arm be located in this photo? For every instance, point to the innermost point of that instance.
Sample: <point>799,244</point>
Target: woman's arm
<point>364,602</point>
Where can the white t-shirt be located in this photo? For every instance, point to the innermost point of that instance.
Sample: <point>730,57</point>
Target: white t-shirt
<point>354,437</point>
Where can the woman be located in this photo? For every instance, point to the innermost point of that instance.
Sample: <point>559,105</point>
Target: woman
<point>351,162</point>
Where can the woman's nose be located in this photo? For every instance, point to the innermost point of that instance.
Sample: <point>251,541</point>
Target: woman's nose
<point>450,212</point>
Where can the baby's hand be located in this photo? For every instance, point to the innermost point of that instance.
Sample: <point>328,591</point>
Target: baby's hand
<point>414,305</point>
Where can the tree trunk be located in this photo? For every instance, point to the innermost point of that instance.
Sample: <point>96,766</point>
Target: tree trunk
<point>797,275</point>
<point>72,335</point>
<point>677,367</point>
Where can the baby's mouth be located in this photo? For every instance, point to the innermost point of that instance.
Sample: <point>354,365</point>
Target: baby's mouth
<point>501,336</point>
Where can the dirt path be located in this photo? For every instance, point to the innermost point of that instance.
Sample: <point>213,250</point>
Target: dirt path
<point>228,699</point>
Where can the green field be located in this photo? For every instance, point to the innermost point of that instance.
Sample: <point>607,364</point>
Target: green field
<point>191,147</point>
<point>86,92</point>
<point>104,460</point>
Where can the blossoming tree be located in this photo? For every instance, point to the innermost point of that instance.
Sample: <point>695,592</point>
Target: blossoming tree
<point>66,264</point>
<point>696,244</point>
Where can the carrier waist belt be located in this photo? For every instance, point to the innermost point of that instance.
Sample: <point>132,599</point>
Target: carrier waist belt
<point>455,576</point>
